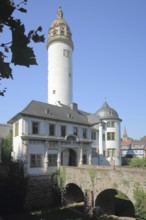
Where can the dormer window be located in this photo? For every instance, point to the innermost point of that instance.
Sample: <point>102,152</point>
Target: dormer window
<point>48,112</point>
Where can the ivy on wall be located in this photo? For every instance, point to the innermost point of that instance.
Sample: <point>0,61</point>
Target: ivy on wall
<point>92,174</point>
<point>140,205</point>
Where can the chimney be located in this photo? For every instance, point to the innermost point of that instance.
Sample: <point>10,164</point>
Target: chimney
<point>74,106</point>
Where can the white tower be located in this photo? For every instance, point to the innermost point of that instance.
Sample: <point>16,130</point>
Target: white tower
<point>60,47</point>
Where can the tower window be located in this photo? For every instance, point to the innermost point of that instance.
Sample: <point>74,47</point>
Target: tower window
<point>66,53</point>
<point>111,152</point>
<point>110,136</point>
<point>54,91</point>
<point>62,32</point>
<point>111,124</point>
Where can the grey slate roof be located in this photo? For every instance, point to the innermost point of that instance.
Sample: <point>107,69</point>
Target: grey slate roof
<point>36,109</point>
<point>106,112</point>
<point>48,111</point>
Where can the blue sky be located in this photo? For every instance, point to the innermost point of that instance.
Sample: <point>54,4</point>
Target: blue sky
<point>109,59</point>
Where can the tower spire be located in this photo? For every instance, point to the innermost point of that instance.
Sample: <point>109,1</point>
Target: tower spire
<point>60,13</point>
<point>125,136</point>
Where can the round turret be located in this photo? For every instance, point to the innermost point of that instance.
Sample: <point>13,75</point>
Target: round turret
<point>60,75</point>
<point>60,30</point>
<point>106,112</point>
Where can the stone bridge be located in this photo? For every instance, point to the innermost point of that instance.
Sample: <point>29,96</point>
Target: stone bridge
<point>99,183</point>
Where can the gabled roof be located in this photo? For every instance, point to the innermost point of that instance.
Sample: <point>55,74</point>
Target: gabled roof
<point>126,143</point>
<point>38,109</point>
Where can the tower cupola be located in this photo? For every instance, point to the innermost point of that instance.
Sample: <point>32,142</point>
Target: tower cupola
<point>60,30</point>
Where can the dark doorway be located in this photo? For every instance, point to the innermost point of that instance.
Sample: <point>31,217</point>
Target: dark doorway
<point>84,159</point>
<point>72,158</point>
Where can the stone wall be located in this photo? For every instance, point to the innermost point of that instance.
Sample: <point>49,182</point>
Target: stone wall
<point>12,188</point>
<point>40,193</point>
<point>18,192</point>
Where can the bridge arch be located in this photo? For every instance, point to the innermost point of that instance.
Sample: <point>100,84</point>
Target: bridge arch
<point>112,201</point>
<point>72,194</point>
<point>93,180</point>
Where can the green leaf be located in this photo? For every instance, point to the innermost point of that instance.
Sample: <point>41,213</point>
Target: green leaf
<point>38,38</point>
<point>21,53</point>
<point>5,69</point>
<point>1,28</point>
<point>39,28</point>
<point>6,10</point>
<point>22,10</point>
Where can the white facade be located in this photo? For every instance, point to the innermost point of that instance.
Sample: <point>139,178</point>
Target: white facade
<point>46,136</point>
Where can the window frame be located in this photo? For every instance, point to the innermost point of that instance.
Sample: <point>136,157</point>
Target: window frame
<point>37,161</point>
<point>51,132</point>
<point>52,161</point>
<point>84,133</point>
<point>37,129</point>
<point>75,131</point>
<point>16,129</point>
<point>111,124</point>
<point>93,134</point>
<point>111,136</point>
<point>111,152</point>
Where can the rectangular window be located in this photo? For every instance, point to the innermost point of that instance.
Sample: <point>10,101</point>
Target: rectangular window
<point>111,124</point>
<point>66,53</point>
<point>93,135</point>
<point>36,160</point>
<point>35,128</point>
<point>110,136</point>
<point>16,131</point>
<point>51,129</point>
<point>75,131</point>
<point>84,133</point>
<point>111,152</point>
<point>63,131</point>
<point>52,160</point>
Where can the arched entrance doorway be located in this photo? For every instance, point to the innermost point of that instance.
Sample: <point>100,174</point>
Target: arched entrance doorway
<point>69,157</point>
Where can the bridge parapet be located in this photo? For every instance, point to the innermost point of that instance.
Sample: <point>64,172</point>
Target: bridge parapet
<point>100,178</point>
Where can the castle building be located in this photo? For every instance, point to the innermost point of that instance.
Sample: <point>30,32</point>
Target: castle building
<point>47,135</point>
